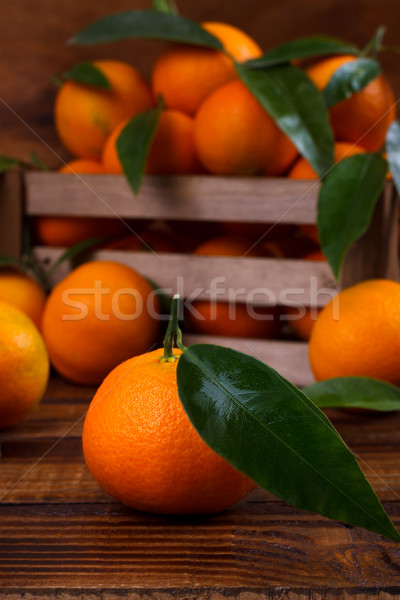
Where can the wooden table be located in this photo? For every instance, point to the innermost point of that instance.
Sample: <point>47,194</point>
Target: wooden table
<point>62,537</point>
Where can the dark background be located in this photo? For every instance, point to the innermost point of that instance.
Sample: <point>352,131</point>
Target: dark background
<point>34,34</point>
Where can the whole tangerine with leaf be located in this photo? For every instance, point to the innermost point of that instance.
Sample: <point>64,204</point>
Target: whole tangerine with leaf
<point>86,114</point>
<point>365,116</point>
<point>24,365</point>
<point>142,449</point>
<point>100,314</point>
<point>358,333</point>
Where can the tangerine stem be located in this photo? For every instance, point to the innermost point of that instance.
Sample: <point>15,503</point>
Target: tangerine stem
<point>173,334</point>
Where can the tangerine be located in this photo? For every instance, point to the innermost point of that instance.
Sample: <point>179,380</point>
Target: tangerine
<point>358,333</point>
<point>142,449</point>
<point>234,135</point>
<point>365,116</point>
<point>100,314</point>
<point>24,292</point>
<point>185,75</point>
<point>85,115</point>
<point>24,365</point>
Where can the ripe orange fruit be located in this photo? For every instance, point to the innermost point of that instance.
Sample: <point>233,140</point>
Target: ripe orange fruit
<point>85,115</point>
<point>185,75</point>
<point>100,314</point>
<point>303,322</point>
<point>303,170</point>
<point>24,365</point>
<point>172,151</point>
<point>364,117</point>
<point>81,165</point>
<point>358,333</point>
<point>235,136</point>
<point>142,449</point>
<point>68,231</point>
<point>237,319</point>
<point>23,292</point>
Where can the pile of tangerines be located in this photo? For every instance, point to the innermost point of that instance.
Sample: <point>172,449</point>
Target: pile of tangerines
<point>104,313</point>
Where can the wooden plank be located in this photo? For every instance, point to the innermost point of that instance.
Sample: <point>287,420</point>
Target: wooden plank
<point>201,198</point>
<point>11,213</point>
<point>253,280</point>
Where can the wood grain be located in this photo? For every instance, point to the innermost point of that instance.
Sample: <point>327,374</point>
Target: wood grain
<point>62,537</point>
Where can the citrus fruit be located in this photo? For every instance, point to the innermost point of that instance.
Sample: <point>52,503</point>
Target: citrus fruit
<point>68,231</point>
<point>185,75</point>
<point>142,449</point>
<point>235,136</point>
<point>81,165</point>
<point>358,333</point>
<point>234,318</point>
<point>303,170</point>
<point>23,292</point>
<point>100,314</point>
<point>172,150</point>
<point>24,365</point>
<point>85,115</point>
<point>364,117</point>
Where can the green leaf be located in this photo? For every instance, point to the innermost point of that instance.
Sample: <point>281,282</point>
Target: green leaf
<point>375,45</point>
<point>347,198</point>
<point>165,6</point>
<point>134,143</point>
<point>9,162</point>
<point>306,47</point>
<point>88,74</point>
<point>297,107</point>
<point>37,162</point>
<point>393,152</point>
<point>148,24</point>
<point>267,428</point>
<point>350,78</point>
<point>356,392</point>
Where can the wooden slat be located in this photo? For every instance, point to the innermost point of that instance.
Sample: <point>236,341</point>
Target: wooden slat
<point>202,198</point>
<point>257,280</point>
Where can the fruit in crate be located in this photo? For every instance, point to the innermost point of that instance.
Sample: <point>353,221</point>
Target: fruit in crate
<point>142,449</point>
<point>24,365</point>
<point>365,116</point>
<point>100,314</point>
<point>185,75</point>
<point>85,115</point>
<point>358,333</point>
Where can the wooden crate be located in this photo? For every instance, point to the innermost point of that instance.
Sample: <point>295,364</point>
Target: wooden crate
<point>208,198</point>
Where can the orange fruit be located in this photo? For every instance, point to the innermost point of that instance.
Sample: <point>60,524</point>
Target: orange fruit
<point>358,333</point>
<point>236,319</point>
<point>100,314</point>
<point>235,136</point>
<point>172,150</point>
<point>185,75</point>
<point>142,449</point>
<point>85,115</point>
<point>364,117</point>
<point>23,292</point>
<point>68,231</point>
<point>24,365</point>
<point>81,165</point>
<point>303,170</point>
<point>304,317</point>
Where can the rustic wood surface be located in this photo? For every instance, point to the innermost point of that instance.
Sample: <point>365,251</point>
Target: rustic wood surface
<point>34,49</point>
<point>63,538</point>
